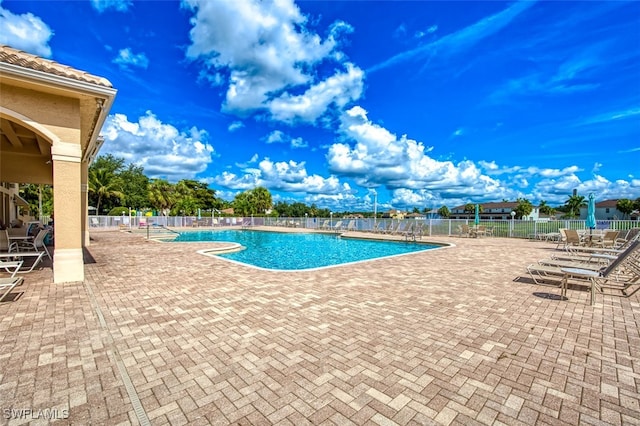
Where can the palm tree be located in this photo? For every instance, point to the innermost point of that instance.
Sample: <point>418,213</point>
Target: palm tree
<point>625,206</point>
<point>260,200</point>
<point>104,184</point>
<point>161,195</point>
<point>574,203</point>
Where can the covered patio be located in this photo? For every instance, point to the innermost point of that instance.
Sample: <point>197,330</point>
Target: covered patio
<point>50,119</point>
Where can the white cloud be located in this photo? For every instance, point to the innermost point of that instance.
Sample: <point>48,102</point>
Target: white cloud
<point>381,158</point>
<point>277,136</point>
<point>463,39</point>
<point>235,126</point>
<point>117,5</point>
<point>127,58</point>
<point>25,32</point>
<point>263,50</point>
<point>161,149</point>
<point>558,190</point>
<point>338,90</point>
<point>286,176</point>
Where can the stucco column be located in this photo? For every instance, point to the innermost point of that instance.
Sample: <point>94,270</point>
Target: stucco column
<point>68,264</point>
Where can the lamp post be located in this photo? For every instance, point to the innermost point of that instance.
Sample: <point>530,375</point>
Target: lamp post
<point>306,220</point>
<point>331,220</point>
<point>513,216</point>
<point>375,207</point>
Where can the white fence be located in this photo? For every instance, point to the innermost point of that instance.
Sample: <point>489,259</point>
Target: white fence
<point>500,228</point>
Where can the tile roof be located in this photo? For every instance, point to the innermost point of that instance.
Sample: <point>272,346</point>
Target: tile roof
<point>607,203</point>
<point>17,57</point>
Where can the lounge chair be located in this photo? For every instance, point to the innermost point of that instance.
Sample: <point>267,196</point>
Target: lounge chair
<point>617,272</point>
<point>337,226</point>
<point>11,266</point>
<point>630,235</point>
<point>34,257</point>
<point>465,230</point>
<point>608,239</point>
<point>562,239</point>
<point>7,284</point>
<point>351,226</point>
<point>572,239</point>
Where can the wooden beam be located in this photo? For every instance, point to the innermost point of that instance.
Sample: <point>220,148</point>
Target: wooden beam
<point>8,131</point>
<point>43,145</point>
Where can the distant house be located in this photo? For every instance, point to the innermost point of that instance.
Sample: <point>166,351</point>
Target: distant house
<point>394,214</point>
<point>605,210</point>
<point>228,211</point>
<point>495,211</point>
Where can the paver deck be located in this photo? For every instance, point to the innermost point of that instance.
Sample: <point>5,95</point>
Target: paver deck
<point>160,335</point>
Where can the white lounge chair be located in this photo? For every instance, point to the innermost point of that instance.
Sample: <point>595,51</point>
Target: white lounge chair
<point>34,258</point>
<point>7,284</point>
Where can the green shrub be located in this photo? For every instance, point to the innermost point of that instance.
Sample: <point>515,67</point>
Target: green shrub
<point>119,211</point>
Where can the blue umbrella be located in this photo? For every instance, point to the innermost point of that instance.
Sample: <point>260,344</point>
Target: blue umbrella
<point>476,221</point>
<point>591,212</point>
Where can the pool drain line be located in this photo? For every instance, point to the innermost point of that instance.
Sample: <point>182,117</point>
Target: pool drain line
<point>126,379</point>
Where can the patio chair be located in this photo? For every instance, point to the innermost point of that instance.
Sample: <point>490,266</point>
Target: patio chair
<point>618,271</point>
<point>609,238</point>
<point>465,230</point>
<point>572,239</point>
<point>7,284</point>
<point>5,245</point>
<point>630,235</point>
<point>562,239</point>
<point>37,243</point>
<point>337,226</point>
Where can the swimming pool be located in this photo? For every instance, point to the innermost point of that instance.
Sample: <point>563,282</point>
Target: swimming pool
<point>295,251</point>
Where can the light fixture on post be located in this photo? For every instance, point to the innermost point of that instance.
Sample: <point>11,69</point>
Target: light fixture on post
<point>513,216</point>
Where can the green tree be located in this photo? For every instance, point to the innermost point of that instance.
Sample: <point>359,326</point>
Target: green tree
<point>135,187</point>
<point>524,208</point>
<point>109,163</point>
<point>636,204</point>
<point>242,203</point>
<point>162,195</point>
<point>205,197</point>
<point>31,194</point>
<point>544,208</point>
<point>625,206</point>
<point>444,211</point>
<point>573,205</point>
<point>104,184</point>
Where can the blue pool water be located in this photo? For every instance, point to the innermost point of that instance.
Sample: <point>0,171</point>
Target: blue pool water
<point>292,251</point>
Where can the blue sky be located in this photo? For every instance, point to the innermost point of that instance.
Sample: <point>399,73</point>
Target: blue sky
<point>326,102</point>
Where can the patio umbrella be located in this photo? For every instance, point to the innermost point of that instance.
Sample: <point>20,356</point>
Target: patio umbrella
<point>591,213</point>
<point>476,221</point>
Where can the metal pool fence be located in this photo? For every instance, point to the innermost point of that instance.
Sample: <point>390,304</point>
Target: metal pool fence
<point>435,227</point>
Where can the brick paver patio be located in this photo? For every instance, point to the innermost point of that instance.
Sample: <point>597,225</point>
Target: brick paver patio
<point>161,335</point>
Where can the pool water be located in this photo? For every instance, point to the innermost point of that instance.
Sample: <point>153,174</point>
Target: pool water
<point>294,251</point>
